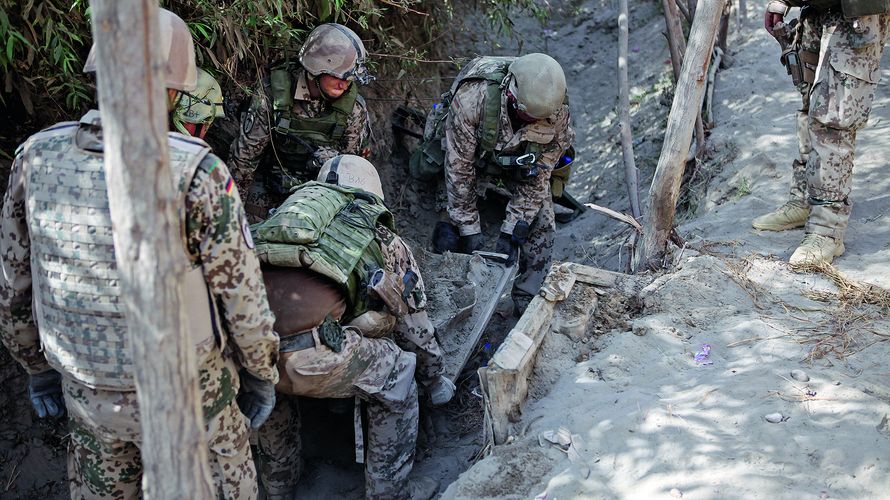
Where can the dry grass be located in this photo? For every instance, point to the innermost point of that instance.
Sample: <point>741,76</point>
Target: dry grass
<point>853,311</point>
<point>847,323</point>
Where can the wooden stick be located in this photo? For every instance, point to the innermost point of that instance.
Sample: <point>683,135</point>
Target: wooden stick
<point>712,81</point>
<point>665,188</point>
<point>627,147</point>
<point>150,257</point>
<point>683,10</point>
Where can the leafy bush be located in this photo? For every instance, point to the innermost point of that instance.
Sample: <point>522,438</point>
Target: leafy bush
<point>43,43</point>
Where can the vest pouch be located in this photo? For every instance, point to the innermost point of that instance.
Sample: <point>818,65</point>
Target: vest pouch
<point>280,88</point>
<point>428,161</point>
<point>561,173</point>
<point>859,8</point>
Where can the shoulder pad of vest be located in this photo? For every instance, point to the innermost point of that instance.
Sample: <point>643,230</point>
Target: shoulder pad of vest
<point>359,99</point>
<point>47,132</point>
<point>209,162</point>
<point>177,139</point>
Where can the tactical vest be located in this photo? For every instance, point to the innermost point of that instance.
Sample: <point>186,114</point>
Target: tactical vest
<point>296,137</point>
<point>429,160</point>
<point>330,230</point>
<point>77,294</point>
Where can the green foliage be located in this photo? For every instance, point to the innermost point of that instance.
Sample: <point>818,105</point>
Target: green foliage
<point>43,45</point>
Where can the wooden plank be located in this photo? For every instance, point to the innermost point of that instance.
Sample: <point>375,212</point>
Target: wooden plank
<point>148,247</point>
<point>505,379</point>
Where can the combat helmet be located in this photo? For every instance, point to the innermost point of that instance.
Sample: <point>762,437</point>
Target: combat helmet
<point>538,84</point>
<point>351,171</point>
<point>333,49</point>
<point>177,48</point>
<point>196,110</point>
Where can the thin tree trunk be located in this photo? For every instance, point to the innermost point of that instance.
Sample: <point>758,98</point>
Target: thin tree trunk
<point>627,146</point>
<point>723,34</point>
<point>742,12</point>
<point>677,47</point>
<point>683,9</point>
<point>150,255</point>
<point>662,201</point>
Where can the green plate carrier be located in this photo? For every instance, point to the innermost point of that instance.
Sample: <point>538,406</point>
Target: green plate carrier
<point>330,230</point>
<point>327,129</point>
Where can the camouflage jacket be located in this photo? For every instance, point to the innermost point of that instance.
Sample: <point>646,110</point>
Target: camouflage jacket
<point>216,236</point>
<point>461,140</point>
<point>256,132</point>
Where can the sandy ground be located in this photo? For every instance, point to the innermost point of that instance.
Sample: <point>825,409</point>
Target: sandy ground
<point>644,418</point>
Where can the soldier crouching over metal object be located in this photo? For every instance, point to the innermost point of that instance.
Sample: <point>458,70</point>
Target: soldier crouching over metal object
<point>62,320</point>
<point>350,308</point>
<point>833,56</point>
<point>505,124</point>
<point>304,114</point>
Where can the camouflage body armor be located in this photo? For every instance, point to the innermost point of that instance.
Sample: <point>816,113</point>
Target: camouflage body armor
<point>294,137</point>
<point>77,299</point>
<point>331,230</point>
<point>429,160</point>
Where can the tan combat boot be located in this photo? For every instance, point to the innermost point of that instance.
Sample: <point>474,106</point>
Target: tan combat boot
<point>789,216</point>
<point>816,249</point>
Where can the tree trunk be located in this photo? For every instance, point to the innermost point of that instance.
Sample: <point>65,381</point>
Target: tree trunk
<point>665,188</point>
<point>150,255</point>
<point>677,47</point>
<point>627,146</point>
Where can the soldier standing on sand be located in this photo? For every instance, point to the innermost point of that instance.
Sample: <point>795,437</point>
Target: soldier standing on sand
<point>506,122</point>
<point>62,320</point>
<point>350,308</point>
<point>305,114</point>
<point>842,41</point>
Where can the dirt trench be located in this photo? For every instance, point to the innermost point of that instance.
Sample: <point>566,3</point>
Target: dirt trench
<point>580,34</point>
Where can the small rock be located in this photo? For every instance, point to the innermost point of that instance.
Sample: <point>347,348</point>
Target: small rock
<point>774,418</point>
<point>676,493</point>
<point>800,375</point>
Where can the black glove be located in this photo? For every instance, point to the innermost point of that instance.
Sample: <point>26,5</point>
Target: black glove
<point>45,391</point>
<point>509,244</point>
<point>256,400</point>
<point>445,237</point>
<point>471,242</point>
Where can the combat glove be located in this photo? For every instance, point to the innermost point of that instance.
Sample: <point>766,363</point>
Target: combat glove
<point>471,242</point>
<point>256,400</point>
<point>45,391</point>
<point>509,244</point>
<point>445,237</point>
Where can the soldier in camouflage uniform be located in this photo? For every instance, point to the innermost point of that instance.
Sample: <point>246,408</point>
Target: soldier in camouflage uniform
<point>844,39</point>
<point>61,317</point>
<point>506,126</point>
<point>316,283</point>
<point>305,114</point>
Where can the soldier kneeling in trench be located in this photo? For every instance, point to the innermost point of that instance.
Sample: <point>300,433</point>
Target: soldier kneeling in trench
<point>349,307</point>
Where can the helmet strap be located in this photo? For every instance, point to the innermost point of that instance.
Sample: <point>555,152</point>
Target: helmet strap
<point>333,177</point>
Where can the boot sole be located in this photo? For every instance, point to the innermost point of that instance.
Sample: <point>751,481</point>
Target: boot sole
<point>769,227</point>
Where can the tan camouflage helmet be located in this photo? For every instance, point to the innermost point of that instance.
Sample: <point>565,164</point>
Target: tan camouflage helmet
<point>333,49</point>
<point>538,84</point>
<point>178,50</point>
<point>204,104</point>
<point>351,171</point>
